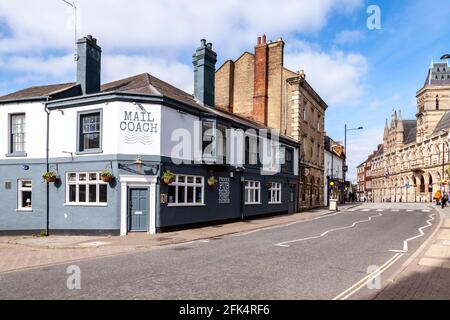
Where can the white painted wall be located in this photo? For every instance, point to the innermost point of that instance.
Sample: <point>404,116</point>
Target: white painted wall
<point>180,129</point>
<point>64,135</point>
<point>35,126</point>
<point>117,138</point>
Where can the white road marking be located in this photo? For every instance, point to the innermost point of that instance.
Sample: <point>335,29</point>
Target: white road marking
<point>380,210</point>
<point>366,210</point>
<point>426,210</point>
<point>409,210</point>
<point>286,243</point>
<point>421,234</point>
<point>364,281</point>
<point>280,226</point>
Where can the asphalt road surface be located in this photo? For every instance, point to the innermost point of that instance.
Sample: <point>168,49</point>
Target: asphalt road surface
<point>327,258</point>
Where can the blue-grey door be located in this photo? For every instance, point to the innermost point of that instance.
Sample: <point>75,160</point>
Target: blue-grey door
<point>138,204</point>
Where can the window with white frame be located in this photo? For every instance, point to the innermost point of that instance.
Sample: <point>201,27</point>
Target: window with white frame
<point>275,193</point>
<point>252,192</point>
<point>17,133</point>
<point>86,188</point>
<point>24,197</point>
<point>186,191</point>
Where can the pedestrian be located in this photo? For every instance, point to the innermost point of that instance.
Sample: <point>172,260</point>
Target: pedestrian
<point>444,200</point>
<point>437,197</point>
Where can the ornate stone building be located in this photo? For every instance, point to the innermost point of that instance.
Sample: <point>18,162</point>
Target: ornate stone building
<point>414,157</point>
<point>258,86</point>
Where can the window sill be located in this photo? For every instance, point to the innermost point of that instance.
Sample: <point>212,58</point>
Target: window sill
<point>16,155</point>
<point>24,210</point>
<point>253,204</point>
<point>101,205</point>
<point>87,152</point>
<point>186,205</point>
<point>275,203</point>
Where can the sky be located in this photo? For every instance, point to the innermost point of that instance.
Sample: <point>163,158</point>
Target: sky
<point>362,73</point>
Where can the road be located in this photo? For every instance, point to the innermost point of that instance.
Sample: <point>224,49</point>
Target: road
<point>325,258</point>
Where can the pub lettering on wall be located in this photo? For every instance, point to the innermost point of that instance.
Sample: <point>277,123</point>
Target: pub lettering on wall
<point>139,127</point>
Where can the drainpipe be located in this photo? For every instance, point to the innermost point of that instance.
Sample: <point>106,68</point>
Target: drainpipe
<point>47,230</point>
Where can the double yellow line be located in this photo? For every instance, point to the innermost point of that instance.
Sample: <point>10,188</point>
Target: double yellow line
<point>363,282</point>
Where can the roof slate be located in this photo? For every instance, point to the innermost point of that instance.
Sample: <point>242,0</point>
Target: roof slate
<point>443,124</point>
<point>37,92</point>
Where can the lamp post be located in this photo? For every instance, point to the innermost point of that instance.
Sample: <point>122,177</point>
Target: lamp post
<point>345,169</point>
<point>443,161</point>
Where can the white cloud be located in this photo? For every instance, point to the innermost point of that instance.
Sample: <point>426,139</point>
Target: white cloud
<point>137,24</point>
<point>339,77</point>
<point>348,36</point>
<point>156,36</point>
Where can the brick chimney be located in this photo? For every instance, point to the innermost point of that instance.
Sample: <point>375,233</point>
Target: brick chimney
<point>89,65</point>
<point>260,90</point>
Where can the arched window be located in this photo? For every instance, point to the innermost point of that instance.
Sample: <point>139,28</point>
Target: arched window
<point>422,184</point>
<point>437,102</point>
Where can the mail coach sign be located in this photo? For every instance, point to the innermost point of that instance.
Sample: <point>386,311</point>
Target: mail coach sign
<point>138,127</point>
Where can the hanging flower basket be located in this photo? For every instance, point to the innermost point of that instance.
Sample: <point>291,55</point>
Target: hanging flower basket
<point>212,182</point>
<point>50,177</point>
<point>107,176</point>
<point>168,177</point>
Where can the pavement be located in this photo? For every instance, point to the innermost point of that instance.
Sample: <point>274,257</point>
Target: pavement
<point>427,275</point>
<point>328,256</point>
<point>25,252</point>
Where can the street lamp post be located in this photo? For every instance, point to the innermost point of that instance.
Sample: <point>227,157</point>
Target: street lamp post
<point>345,161</point>
<point>443,162</point>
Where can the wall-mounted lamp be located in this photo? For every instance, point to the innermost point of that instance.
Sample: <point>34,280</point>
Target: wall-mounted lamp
<point>61,111</point>
<point>138,163</point>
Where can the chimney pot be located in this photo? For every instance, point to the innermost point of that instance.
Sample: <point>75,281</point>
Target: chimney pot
<point>259,40</point>
<point>209,45</point>
<point>203,42</point>
<point>264,39</point>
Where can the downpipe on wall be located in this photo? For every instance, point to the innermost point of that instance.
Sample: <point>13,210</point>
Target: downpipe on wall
<point>47,226</point>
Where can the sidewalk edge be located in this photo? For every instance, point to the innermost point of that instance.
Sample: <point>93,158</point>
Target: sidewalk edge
<point>415,255</point>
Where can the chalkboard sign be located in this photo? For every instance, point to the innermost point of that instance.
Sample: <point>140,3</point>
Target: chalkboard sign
<point>224,190</point>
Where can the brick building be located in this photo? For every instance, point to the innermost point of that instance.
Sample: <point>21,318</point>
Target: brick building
<point>259,87</point>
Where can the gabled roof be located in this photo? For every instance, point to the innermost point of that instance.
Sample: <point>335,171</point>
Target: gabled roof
<point>38,92</point>
<point>443,124</point>
<point>410,127</point>
<point>438,74</point>
<point>141,84</point>
<point>411,136</point>
<point>147,84</point>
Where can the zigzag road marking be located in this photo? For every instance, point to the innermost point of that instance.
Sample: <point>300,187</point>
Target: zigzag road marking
<point>421,234</point>
<point>286,244</point>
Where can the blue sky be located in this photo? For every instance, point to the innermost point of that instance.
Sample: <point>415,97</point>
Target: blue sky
<point>362,74</point>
